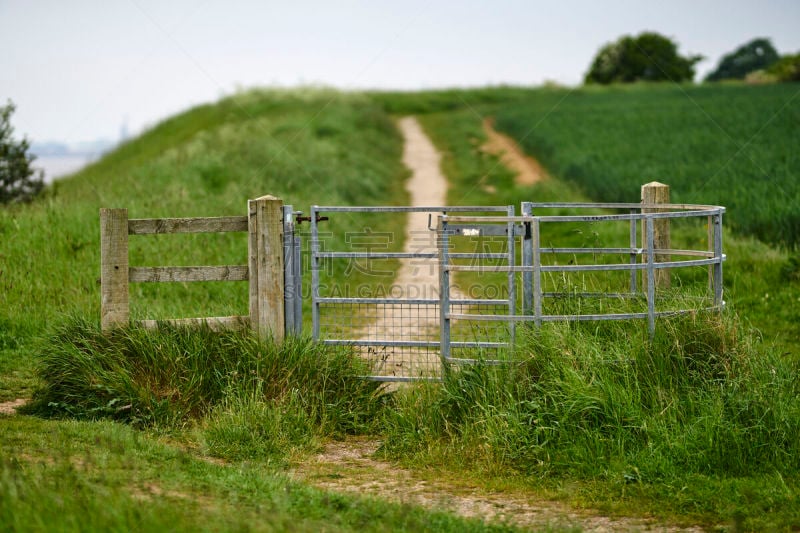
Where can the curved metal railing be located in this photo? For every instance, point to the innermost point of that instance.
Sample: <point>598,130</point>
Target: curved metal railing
<point>648,255</point>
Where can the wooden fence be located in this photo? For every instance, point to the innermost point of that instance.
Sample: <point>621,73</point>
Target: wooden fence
<point>265,269</point>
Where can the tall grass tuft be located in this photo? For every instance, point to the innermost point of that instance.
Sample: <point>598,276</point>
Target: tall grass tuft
<point>172,377</point>
<point>602,402</point>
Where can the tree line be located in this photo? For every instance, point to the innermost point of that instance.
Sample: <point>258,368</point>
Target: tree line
<point>653,57</point>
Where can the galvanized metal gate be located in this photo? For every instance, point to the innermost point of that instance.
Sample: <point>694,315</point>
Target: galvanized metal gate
<point>456,296</point>
<point>396,328</point>
<point>546,297</point>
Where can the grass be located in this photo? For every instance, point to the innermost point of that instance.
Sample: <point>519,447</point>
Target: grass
<point>104,476</point>
<point>699,426</point>
<point>618,419</point>
<point>622,422</point>
<point>259,399</point>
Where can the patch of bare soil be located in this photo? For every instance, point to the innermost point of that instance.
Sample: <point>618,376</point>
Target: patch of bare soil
<point>10,408</point>
<point>528,171</point>
<point>351,467</point>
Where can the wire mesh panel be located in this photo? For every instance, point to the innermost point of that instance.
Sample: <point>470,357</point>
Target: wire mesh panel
<point>382,301</point>
<point>399,339</point>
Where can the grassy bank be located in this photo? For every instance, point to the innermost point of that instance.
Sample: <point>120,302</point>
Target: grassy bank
<point>699,426</point>
<point>258,400</point>
<point>194,398</point>
<point>307,147</point>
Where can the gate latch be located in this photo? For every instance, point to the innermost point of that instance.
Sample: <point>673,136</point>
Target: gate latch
<point>300,219</point>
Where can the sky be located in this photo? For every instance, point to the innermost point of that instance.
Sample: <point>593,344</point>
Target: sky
<point>80,70</point>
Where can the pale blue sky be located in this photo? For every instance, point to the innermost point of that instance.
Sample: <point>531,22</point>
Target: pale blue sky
<point>78,69</point>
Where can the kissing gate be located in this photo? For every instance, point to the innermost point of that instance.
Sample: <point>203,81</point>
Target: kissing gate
<point>466,283</point>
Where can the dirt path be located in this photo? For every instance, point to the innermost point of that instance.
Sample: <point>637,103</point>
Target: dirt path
<point>10,408</point>
<point>418,277</point>
<point>350,467</point>
<point>528,170</point>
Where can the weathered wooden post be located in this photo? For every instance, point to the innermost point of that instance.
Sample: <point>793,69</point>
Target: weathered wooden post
<point>114,303</point>
<point>657,193</point>
<point>265,258</point>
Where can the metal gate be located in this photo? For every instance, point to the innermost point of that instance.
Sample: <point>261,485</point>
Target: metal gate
<point>456,293</point>
<point>616,282</point>
<point>396,328</point>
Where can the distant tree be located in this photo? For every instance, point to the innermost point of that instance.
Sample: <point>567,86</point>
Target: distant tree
<point>758,54</point>
<point>646,57</point>
<point>19,182</point>
<point>787,68</point>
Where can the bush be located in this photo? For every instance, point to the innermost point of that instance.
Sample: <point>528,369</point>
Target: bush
<point>172,377</point>
<point>646,57</point>
<point>758,54</point>
<point>19,182</point>
<point>787,68</point>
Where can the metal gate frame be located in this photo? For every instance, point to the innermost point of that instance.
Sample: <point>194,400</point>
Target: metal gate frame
<point>453,222</point>
<point>318,301</point>
<point>641,217</point>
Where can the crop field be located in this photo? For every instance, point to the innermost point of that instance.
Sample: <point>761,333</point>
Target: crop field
<point>735,146</point>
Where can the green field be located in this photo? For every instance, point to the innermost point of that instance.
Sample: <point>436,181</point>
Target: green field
<point>732,145</point>
<point>701,425</point>
<point>604,143</point>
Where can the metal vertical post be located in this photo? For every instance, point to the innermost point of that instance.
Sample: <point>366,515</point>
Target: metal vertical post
<point>512,285</point>
<point>537,271</point>
<point>315,266</point>
<point>710,229</point>
<point>718,302</point>
<point>288,269</point>
<point>444,291</point>
<point>292,293</point>
<point>651,281</point>
<point>527,261</point>
<point>633,252</point>
<point>298,286</point>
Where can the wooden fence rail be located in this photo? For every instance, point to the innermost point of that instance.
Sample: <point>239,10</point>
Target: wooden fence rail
<point>264,271</point>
